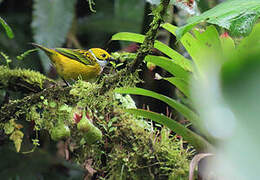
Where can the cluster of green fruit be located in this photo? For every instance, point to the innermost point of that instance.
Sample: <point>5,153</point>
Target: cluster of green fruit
<point>90,132</point>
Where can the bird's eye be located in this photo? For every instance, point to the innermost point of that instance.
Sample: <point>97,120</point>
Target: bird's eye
<point>103,55</point>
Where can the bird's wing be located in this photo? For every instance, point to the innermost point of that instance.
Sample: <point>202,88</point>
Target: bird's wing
<point>75,54</point>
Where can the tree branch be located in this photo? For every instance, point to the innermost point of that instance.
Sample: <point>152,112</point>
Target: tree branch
<point>145,49</point>
<point>25,81</point>
<point>12,109</point>
<point>150,36</point>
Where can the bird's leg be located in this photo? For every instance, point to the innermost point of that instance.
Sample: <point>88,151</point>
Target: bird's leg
<point>98,79</point>
<point>67,83</point>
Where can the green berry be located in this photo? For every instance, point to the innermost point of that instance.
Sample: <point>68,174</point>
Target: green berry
<point>91,132</point>
<point>60,132</point>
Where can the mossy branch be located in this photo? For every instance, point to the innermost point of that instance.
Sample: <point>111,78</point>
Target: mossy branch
<point>25,81</point>
<point>148,44</point>
<point>40,87</point>
<point>19,107</point>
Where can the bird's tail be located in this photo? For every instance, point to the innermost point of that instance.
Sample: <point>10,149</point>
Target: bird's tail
<point>48,51</point>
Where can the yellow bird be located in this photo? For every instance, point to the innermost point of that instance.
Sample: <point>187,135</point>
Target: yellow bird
<point>74,63</point>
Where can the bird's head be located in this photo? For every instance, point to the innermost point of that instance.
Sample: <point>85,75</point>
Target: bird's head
<point>101,56</point>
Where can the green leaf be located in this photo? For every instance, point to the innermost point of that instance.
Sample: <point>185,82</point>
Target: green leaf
<point>51,22</point>
<point>185,111</point>
<point>128,36</point>
<point>210,50</point>
<point>252,41</point>
<point>197,141</point>
<point>242,26</point>
<point>209,38</point>
<point>178,58</point>
<point>238,16</point>
<point>169,27</point>
<point>228,45</point>
<point>191,43</point>
<point>17,138</point>
<point>181,84</point>
<point>246,56</point>
<point>200,45</point>
<point>169,65</point>
<point>7,28</point>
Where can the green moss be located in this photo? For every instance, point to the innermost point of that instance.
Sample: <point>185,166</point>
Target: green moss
<point>123,56</point>
<point>172,156</point>
<point>88,94</point>
<point>8,76</point>
<point>129,148</point>
<point>140,154</point>
<point>48,114</point>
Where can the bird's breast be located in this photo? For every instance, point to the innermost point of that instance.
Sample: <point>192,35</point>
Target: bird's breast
<point>72,69</point>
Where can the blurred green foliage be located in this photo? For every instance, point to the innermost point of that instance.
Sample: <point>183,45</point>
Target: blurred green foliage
<point>37,165</point>
<point>51,22</point>
<point>228,100</point>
